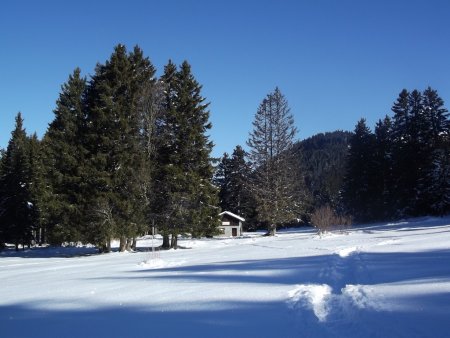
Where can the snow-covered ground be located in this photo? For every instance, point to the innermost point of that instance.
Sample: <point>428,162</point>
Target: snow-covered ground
<point>385,280</point>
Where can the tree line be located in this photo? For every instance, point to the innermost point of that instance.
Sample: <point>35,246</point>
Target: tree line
<point>402,169</point>
<point>125,151</point>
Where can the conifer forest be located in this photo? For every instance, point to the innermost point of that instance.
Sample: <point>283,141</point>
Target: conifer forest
<point>128,152</point>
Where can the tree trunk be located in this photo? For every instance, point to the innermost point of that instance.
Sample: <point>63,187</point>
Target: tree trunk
<point>122,244</point>
<point>129,244</point>
<point>108,245</point>
<point>134,244</point>
<point>272,230</point>
<point>174,242</point>
<point>166,242</point>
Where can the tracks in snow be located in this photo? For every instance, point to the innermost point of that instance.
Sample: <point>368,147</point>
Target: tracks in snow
<point>343,292</point>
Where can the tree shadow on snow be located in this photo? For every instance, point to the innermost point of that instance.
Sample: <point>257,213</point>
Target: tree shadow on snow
<point>218,319</point>
<point>225,319</point>
<point>50,252</point>
<point>359,268</point>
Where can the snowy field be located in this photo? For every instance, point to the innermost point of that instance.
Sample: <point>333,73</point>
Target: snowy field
<point>385,280</point>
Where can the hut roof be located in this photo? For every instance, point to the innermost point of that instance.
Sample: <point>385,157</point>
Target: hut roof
<point>232,215</point>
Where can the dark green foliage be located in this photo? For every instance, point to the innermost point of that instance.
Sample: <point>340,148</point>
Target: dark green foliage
<point>37,187</point>
<point>358,191</point>
<point>222,180</point>
<point>186,200</point>
<point>17,207</point>
<point>64,162</point>
<point>116,158</point>
<point>382,181</point>
<point>233,177</point>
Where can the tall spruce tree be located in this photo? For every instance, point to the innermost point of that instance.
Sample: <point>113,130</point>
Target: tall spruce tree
<point>64,157</point>
<point>358,192</point>
<point>163,204</point>
<point>402,155</point>
<point>435,182</point>
<point>17,207</point>
<point>187,200</point>
<point>37,187</point>
<point>114,143</point>
<point>382,170</point>
<point>270,143</point>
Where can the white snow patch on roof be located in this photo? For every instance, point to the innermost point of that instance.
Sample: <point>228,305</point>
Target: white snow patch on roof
<point>232,215</point>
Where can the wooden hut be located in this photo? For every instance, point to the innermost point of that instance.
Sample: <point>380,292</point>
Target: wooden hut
<point>231,224</point>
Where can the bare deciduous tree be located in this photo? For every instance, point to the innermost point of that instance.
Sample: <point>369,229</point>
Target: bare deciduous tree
<point>270,142</point>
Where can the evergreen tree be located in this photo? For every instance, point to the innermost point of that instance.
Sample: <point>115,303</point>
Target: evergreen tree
<point>195,154</point>
<point>163,204</point>
<point>232,177</point>
<point>436,181</point>
<point>403,159</point>
<point>358,192</point>
<point>382,170</point>
<point>412,154</point>
<point>221,180</point>
<point>186,198</point>
<point>37,187</point>
<point>241,199</point>
<point>270,143</point>
<point>64,157</point>
<point>17,207</point>
<point>114,142</point>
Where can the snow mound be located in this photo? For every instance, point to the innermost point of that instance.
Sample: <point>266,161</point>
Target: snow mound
<point>347,251</point>
<point>362,297</point>
<point>158,263</point>
<point>312,297</point>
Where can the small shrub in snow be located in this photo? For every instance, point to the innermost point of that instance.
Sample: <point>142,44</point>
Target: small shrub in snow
<point>325,219</point>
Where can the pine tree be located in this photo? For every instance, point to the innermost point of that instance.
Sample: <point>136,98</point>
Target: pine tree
<point>186,197</point>
<point>358,192</point>
<point>382,170</point>
<point>435,182</point>
<point>412,154</point>
<point>17,214</point>
<point>221,180</point>
<point>166,129</point>
<point>242,201</point>
<point>270,143</point>
<point>404,168</point>
<point>232,177</point>
<point>114,142</point>
<point>63,158</point>
<point>37,187</point>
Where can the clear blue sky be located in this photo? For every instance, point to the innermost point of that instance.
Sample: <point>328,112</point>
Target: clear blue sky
<point>335,61</point>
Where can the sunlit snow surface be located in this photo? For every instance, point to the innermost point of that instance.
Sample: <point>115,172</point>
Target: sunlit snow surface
<point>384,280</point>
